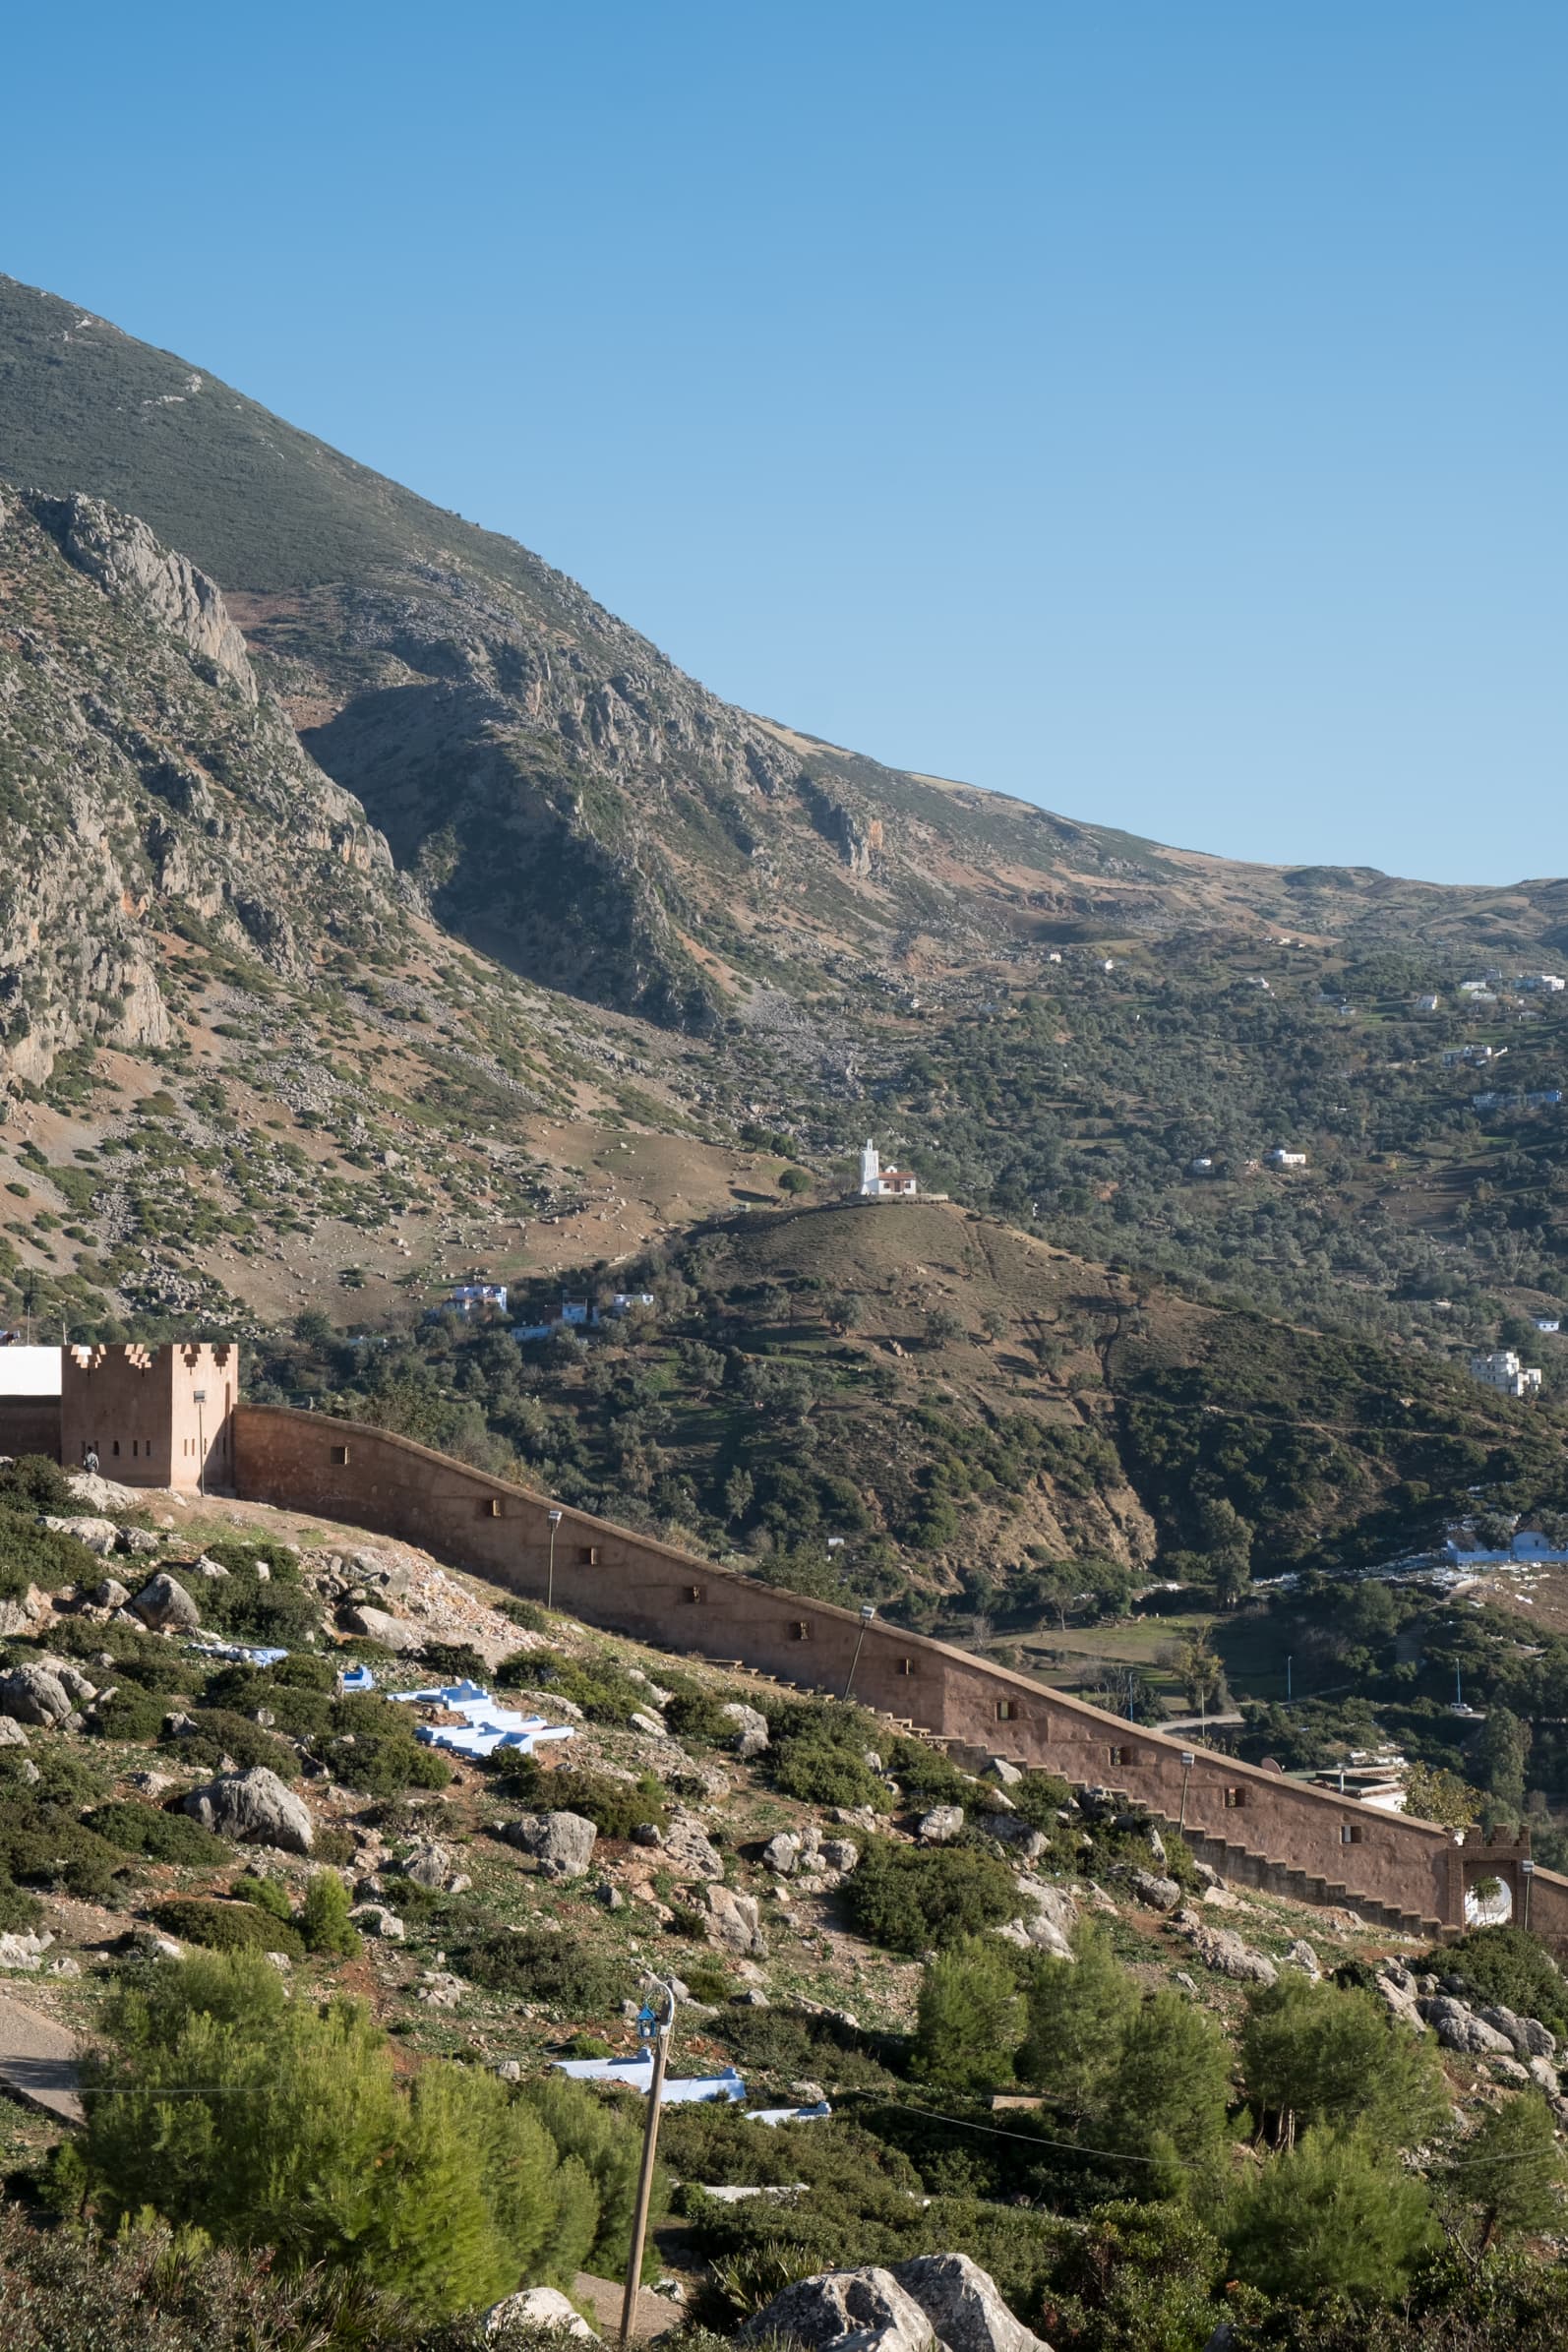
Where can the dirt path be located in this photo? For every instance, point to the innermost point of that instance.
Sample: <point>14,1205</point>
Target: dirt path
<point>37,2060</point>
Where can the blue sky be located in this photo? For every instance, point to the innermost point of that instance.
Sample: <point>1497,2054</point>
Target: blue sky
<point>1157,411</point>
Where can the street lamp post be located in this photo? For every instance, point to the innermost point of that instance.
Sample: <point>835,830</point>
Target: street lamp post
<point>868,1611</point>
<point>550,1579</point>
<point>1188,1762</point>
<point>199,1398</point>
<point>1288,1665</point>
<point>1526,1871</point>
<point>660,2032</point>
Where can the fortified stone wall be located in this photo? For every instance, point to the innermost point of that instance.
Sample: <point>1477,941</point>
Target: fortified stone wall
<point>1308,1841</point>
<point>30,1425</point>
<point>154,1417</point>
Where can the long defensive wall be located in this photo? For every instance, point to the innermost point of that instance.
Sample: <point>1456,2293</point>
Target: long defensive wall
<point>1255,1825</point>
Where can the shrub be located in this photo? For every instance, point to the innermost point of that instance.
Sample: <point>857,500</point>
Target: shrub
<point>443,2190</point>
<point>1078,2015</point>
<point>266,1894</point>
<point>42,1843</point>
<point>32,1483</point>
<point>1038,1797</point>
<point>927,1775</point>
<point>161,1837</point>
<point>1330,2217</point>
<point>909,1898</point>
<point>372,1748</point>
<point>277,1610</point>
<point>219,1733</point>
<point>705,1982</point>
<point>694,1715</point>
<point>1166,2096</point>
<point>599,1685</point>
<point>226,1926</point>
<point>18,1910</point>
<point>559,1970</point>
<point>615,1807</point>
<point>30,1554</point>
<point>527,1615</point>
<point>454,1662</point>
<point>324,1923</point>
<point>127,1712</point>
<point>608,2147</point>
<point>1313,2054</point>
<point>1508,1966</point>
<point>970,2019</point>
<point>1507,2177</point>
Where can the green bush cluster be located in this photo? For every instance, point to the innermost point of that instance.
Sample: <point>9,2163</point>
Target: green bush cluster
<point>158,1835</point>
<point>566,1973</point>
<point>911,1899</point>
<point>1507,1966</point>
<point>615,1807</point>
<point>445,2190</point>
<point>226,1926</point>
<point>817,1750</point>
<point>599,1685</point>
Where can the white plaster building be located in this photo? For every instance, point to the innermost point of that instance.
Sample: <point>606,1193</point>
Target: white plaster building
<point>878,1182</point>
<point>1503,1370</point>
<point>1280,1158</point>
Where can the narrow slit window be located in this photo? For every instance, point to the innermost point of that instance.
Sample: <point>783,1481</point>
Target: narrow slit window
<point>339,1453</point>
<point>906,1665</point>
<point>492,1509</point>
<point>1234,1799</point>
<point>1006,1711</point>
<point>801,1630</point>
<point>1353,1833</point>
<point>588,1556</point>
<point>696,1591</point>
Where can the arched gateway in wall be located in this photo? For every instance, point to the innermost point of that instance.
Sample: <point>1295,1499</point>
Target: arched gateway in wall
<point>1257,1827</point>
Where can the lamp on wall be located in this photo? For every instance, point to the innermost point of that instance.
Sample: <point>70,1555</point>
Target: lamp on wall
<point>199,1398</point>
<point>555,1518</point>
<point>1188,1762</point>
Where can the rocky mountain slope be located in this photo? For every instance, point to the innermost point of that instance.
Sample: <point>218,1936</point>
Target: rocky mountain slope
<point>568,801</point>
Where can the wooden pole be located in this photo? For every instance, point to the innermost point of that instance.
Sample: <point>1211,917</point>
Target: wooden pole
<point>650,2141</point>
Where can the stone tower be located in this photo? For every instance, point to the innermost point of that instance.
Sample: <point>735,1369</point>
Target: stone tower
<point>154,1417</point>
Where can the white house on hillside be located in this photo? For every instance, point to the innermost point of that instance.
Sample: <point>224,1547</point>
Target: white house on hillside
<point>1280,1158</point>
<point>878,1182</point>
<point>1503,1370</point>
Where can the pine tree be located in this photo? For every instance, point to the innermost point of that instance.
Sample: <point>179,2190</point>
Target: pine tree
<point>1164,2098</point>
<point>1331,2216</point>
<point>324,1920</point>
<point>1078,2013</point>
<point>1312,2054</point>
<point>1508,2175</point>
<point>970,2019</point>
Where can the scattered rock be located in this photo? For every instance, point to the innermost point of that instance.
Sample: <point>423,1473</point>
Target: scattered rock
<point>781,1853</point>
<point>431,1866</point>
<point>839,1854</point>
<point>650,1726</point>
<point>439,1989</point>
<point>750,1730</point>
<point>942,1824</point>
<point>1528,2036</point>
<point>849,2310</point>
<point>163,1603</point>
<point>1302,1956</point>
<point>392,1633</point>
<point>998,1769</point>
<point>1458,2028</point>
<point>137,1539</point>
<point>1160,1893</point>
<point>1223,1950</point>
<point>255,1808</point>
<point>12,1734</point>
<point>375,1919</point>
<point>538,2308</point>
<point>111,1594</point>
<point>964,2306</point>
<point>687,1848</point>
<point>35,1695</point>
<point>24,1950</point>
<point>562,1843</point>
<point>97,1535</point>
<point>734,1921</point>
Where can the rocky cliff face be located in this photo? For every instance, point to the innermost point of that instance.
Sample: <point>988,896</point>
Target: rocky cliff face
<point>149,791</point>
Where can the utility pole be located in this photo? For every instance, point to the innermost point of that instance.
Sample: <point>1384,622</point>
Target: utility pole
<point>1288,1665</point>
<point>868,1611</point>
<point>1188,1762</point>
<point>198,1400</point>
<point>660,2032</point>
<point>550,1579</point>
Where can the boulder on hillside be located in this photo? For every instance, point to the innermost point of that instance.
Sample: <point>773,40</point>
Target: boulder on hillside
<point>1458,2028</point>
<point>111,1594</point>
<point>35,1695</point>
<point>942,1824</point>
<point>689,1852</point>
<point>933,2303</point>
<point>97,1535</point>
<point>750,1730</point>
<point>735,1921</point>
<point>533,2308</point>
<point>849,2310</point>
<point>137,1538</point>
<point>963,2305</point>
<point>392,1633</point>
<point>1022,1840</point>
<point>1219,1948</point>
<point>1160,1893</point>
<point>163,1604</point>
<point>12,1734</point>
<point>255,1808</point>
<point>562,1843</point>
<point>781,1853</point>
<point>430,1865</point>
<point>1529,2038</point>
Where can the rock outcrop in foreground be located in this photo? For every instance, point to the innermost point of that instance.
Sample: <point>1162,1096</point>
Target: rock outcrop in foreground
<point>936,2303</point>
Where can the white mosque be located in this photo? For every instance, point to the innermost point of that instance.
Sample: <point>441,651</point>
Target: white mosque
<point>878,1182</point>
